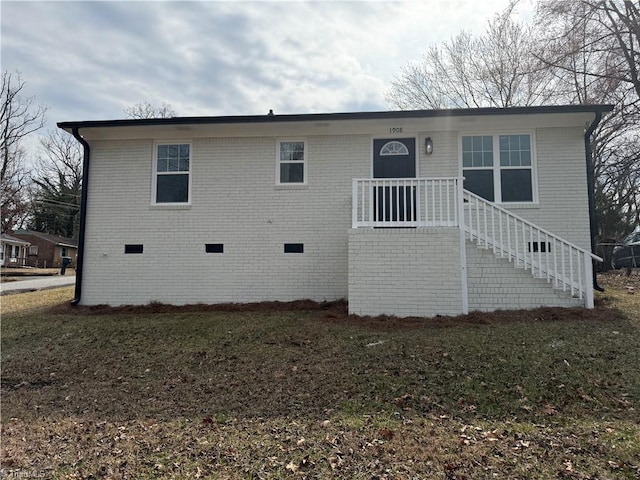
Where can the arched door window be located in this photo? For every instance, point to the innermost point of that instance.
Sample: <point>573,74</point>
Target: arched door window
<point>394,147</point>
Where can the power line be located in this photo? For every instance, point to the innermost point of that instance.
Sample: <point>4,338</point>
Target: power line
<point>55,203</point>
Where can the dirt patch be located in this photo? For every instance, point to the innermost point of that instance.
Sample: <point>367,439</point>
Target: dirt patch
<point>621,279</point>
<point>546,314</point>
<point>157,307</point>
<point>337,312</point>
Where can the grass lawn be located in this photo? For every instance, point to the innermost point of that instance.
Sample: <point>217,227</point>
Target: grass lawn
<point>313,393</point>
<point>14,274</point>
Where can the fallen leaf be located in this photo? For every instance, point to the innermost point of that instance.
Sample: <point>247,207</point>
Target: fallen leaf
<point>403,400</point>
<point>335,462</point>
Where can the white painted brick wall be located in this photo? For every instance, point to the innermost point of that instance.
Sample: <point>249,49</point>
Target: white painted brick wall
<point>404,272</point>
<point>235,202</point>
<point>562,185</point>
<point>443,162</point>
<point>494,284</point>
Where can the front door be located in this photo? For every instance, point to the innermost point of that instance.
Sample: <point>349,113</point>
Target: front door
<point>394,158</point>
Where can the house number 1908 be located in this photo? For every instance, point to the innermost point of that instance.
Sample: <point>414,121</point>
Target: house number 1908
<point>395,130</point>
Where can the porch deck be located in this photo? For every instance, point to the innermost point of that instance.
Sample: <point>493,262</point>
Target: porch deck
<point>431,204</point>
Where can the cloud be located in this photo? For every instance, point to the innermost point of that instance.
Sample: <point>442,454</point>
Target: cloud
<point>90,60</point>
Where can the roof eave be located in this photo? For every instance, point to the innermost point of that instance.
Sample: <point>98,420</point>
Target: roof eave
<point>314,117</point>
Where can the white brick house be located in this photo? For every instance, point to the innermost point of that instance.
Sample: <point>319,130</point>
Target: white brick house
<point>375,207</point>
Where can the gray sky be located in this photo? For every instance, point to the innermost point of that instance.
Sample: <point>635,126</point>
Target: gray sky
<point>90,60</point>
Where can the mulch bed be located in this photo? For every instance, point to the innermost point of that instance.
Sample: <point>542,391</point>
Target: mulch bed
<point>337,311</point>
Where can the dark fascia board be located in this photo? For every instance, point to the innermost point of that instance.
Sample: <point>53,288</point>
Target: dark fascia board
<point>315,117</point>
<point>9,239</point>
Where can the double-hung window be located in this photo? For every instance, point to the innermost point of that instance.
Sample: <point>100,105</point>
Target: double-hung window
<point>499,168</point>
<point>291,158</point>
<point>172,172</point>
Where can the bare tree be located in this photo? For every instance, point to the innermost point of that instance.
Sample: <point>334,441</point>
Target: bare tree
<point>497,68</point>
<point>593,48</point>
<point>147,110</point>
<point>574,51</point>
<point>20,116</point>
<point>613,28</point>
<point>57,185</point>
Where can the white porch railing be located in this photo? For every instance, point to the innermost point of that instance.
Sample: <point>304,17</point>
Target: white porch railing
<point>541,252</point>
<point>405,202</point>
<point>442,202</point>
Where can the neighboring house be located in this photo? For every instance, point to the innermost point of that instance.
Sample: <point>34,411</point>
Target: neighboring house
<point>13,251</point>
<point>46,250</point>
<point>368,206</point>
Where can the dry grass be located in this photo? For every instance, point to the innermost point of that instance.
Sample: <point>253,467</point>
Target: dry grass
<point>622,288</point>
<point>256,392</point>
<point>20,272</point>
<point>29,303</point>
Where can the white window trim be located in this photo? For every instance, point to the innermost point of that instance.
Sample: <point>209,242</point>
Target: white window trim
<point>154,176</point>
<point>305,162</point>
<point>496,168</point>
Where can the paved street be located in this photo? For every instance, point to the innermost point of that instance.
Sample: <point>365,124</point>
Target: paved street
<point>40,283</point>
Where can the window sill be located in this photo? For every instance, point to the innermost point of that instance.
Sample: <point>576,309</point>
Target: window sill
<point>169,206</point>
<point>293,186</point>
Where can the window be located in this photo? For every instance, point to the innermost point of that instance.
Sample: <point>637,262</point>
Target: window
<point>172,173</point>
<point>291,162</point>
<point>33,249</point>
<point>394,148</point>
<point>515,168</point>
<point>499,167</point>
